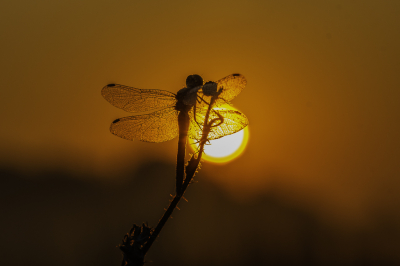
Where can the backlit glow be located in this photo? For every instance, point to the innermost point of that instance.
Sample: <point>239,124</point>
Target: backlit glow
<point>226,148</point>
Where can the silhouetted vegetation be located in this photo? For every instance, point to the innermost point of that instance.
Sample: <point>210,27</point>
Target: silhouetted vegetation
<point>58,218</point>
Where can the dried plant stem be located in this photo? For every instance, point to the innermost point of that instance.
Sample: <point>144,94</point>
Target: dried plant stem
<point>140,238</point>
<point>190,172</point>
<point>162,222</point>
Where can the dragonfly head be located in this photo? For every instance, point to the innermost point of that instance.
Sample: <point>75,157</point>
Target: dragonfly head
<point>194,81</point>
<point>210,88</point>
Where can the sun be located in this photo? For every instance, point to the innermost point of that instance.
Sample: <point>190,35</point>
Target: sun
<point>226,148</point>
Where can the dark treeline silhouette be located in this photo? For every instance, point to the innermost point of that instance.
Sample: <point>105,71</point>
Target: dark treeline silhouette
<point>55,218</point>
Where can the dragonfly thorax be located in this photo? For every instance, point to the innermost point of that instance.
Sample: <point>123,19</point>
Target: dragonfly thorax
<point>181,103</point>
<point>186,97</point>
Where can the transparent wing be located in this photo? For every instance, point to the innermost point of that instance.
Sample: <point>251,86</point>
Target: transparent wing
<point>158,126</point>
<point>232,85</point>
<point>137,100</point>
<point>233,122</point>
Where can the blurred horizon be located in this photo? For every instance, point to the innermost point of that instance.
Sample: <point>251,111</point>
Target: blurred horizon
<point>85,221</point>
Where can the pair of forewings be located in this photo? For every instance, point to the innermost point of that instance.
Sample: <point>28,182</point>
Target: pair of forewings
<point>162,124</point>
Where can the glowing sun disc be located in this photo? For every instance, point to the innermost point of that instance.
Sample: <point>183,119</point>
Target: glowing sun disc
<point>226,148</point>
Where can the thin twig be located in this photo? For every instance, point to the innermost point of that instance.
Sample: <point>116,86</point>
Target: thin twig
<point>190,171</point>
<point>139,240</point>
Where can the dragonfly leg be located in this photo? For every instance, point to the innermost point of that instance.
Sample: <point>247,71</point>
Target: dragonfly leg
<point>194,112</point>
<point>202,100</point>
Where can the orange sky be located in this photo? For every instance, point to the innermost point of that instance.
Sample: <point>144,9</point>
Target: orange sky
<point>322,96</point>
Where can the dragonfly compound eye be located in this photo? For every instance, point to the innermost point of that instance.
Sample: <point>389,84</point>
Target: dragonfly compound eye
<point>210,88</point>
<point>194,81</point>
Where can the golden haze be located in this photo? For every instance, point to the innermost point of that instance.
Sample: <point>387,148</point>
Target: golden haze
<point>322,98</point>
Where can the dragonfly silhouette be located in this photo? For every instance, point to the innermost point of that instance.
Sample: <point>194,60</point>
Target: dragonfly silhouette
<point>182,114</point>
<point>172,111</point>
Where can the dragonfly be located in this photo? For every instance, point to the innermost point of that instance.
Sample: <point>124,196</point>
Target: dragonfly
<point>167,115</point>
<point>161,108</point>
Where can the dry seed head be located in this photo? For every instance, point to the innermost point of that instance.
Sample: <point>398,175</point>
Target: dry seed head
<point>210,88</point>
